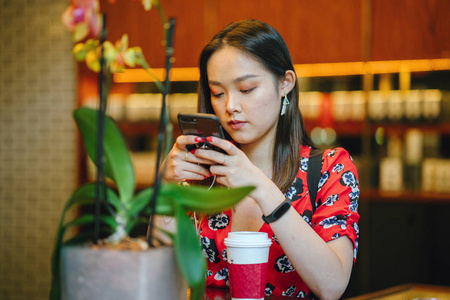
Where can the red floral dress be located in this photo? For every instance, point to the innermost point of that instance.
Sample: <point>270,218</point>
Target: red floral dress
<point>335,216</point>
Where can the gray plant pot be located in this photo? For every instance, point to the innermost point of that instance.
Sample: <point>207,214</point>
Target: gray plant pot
<point>90,274</point>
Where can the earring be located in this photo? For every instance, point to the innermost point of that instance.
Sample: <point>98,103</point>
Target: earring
<point>285,105</point>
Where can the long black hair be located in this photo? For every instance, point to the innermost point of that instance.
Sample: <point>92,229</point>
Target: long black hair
<point>266,45</point>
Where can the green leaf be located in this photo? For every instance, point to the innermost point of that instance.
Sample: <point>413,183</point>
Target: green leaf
<point>85,236</point>
<point>134,222</point>
<point>85,194</point>
<point>197,292</point>
<point>89,219</point>
<point>188,250</point>
<point>142,200</point>
<point>202,200</point>
<point>118,164</point>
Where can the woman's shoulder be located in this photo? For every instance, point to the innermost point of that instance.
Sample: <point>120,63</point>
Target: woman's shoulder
<point>337,163</point>
<point>336,155</point>
<point>333,159</point>
<point>327,154</point>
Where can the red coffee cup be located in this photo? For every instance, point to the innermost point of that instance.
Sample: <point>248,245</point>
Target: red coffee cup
<point>247,253</point>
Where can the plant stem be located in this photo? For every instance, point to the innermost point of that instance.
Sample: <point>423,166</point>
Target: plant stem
<point>162,131</point>
<point>100,184</point>
<point>165,22</point>
<point>148,69</point>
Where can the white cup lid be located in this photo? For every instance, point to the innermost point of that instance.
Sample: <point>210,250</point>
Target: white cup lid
<point>247,239</point>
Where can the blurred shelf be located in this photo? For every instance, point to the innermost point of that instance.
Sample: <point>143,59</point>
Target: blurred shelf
<point>356,128</point>
<point>346,128</point>
<point>302,70</point>
<point>402,127</point>
<point>371,195</point>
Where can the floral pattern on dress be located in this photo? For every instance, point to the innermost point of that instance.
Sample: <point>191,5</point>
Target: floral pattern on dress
<point>334,221</point>
<point>269,289</point>
<point>224,255</point>
<point>219,221</point>
<point>332,153</point>
<point>222,275</point>
<point>307,216</point>
<point>355,249</point>
<point>291,192</point>
<point>290,291</point>
<point>209,250</point>
<point>274,238</point>
<point>331,199</point>
<point>335,217</point>
<point>283,265</point>
<point>348,179</point>
<point>294,192</point>
<point>301,294</point>
<point>304,164</point>
<point>338,168</point>
<point>336,236</point>
<point>323,180</point>
<point>353,206</point>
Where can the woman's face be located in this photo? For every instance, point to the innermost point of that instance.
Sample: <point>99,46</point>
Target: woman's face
<point>244,95</point>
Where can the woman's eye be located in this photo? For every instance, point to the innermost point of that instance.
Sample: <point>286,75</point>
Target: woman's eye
<point>216,95</point>
<point>246,91</point>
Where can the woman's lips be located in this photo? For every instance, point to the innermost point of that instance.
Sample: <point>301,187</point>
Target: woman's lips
<point>235,125</point>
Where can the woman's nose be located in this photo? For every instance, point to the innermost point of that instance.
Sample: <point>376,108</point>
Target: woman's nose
<point>233,104</point>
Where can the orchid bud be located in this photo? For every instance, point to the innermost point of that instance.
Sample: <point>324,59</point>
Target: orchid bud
<point>79,52</point>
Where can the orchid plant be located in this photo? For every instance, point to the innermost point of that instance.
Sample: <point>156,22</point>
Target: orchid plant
<point>84,20</point>
<point>124,207</point>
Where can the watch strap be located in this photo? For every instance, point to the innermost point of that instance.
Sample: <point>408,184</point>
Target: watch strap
<point>278,212</point>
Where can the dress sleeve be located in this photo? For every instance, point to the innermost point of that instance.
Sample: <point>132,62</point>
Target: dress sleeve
<point>337,199</point>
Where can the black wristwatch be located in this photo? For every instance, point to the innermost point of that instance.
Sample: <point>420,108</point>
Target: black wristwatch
<point>278,212</point>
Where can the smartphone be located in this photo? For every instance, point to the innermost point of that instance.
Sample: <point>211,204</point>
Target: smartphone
<point>202,125</point>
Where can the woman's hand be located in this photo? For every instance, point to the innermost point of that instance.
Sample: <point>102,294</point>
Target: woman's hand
<point>182,164</point>
<point>234,169</point>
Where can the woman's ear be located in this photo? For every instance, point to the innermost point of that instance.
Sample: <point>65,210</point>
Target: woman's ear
<point>287,83</point>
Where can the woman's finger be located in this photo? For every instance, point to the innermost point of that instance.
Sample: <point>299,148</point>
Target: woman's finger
<point>183,140</point>
<point>192,158</point>
<point>180,170</point>
<point>225,145</point>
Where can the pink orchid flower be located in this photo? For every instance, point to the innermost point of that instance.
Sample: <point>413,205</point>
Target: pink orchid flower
<point>83,18</point>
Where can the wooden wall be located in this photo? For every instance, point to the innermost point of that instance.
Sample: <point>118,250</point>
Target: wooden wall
<point>405,29</point>
<point>315,31</point>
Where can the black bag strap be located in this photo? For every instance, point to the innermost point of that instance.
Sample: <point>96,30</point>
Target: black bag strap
<point>314,174</point>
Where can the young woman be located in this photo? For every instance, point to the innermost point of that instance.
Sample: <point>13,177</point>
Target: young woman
<point>248,81</point>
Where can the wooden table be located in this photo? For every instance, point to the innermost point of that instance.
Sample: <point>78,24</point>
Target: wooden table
<point>401,292</point>
<point>409,291</point>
